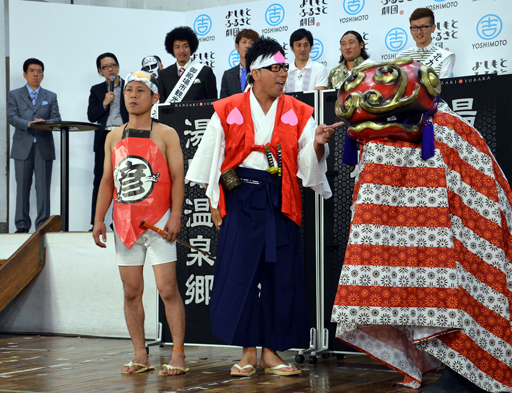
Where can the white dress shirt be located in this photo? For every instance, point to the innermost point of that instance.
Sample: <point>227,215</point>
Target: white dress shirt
<point>309,78</point>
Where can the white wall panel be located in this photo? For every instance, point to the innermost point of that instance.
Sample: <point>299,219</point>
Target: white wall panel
<point>68,42</point>
<point>79,291</point>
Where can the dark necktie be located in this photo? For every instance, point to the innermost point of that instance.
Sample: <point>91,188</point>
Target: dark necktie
<point>181,71</point>
<point>242,79</point>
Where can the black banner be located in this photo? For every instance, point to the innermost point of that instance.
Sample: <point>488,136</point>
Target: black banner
<point>194,270</point>
<point>483,101</point>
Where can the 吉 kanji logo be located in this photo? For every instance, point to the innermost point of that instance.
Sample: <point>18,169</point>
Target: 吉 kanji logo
<point>134,179</point>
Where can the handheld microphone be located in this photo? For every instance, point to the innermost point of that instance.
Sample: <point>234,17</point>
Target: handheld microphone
<point>111,86</point>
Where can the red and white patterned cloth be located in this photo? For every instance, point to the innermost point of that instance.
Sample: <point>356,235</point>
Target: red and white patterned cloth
<point>427,277</point>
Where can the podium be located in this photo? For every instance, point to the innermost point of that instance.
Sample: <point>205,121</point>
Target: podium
<point>64,127</point>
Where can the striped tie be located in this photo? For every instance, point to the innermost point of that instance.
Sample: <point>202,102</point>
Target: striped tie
<point>33,97</point>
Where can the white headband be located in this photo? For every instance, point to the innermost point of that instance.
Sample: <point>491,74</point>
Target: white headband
<point>267,60</point>
<point>141,76</point>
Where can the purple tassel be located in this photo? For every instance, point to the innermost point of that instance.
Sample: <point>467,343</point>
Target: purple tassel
<point>349,151</point>
<point>427,139</point>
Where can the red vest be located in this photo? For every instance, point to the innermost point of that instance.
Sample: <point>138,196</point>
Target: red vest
<point>142,186</point>
<point>291,118</point>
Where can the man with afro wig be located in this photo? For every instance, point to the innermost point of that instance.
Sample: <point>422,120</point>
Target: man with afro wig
<point>185,80</point>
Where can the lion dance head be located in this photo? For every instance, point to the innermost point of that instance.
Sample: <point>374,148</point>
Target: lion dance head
<point>392,99</point>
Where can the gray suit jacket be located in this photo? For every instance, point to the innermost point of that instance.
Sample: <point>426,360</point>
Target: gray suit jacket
<point>21,111</point>
<point>230,82</point>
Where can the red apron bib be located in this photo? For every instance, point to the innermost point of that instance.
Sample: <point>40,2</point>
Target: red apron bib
<point>142,184</point>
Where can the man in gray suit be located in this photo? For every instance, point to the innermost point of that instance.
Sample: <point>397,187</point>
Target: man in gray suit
<point>234,79</point>
<point>33,150</point>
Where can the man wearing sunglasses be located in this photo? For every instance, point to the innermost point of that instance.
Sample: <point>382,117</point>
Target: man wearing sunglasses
<point>422,25</point>
<point>270,140</point>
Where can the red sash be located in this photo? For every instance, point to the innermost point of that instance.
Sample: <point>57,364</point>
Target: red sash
<point>142,185</point>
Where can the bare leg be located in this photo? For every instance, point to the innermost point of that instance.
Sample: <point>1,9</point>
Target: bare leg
<point>270,358</point>
<point>133,285</point>
<point>165,276</point>
<point>249,356</point>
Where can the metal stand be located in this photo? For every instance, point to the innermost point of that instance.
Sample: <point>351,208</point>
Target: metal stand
<point>158,340</point>
<point>319,336</point>
<point>64,177</point>
<point>64,127</point>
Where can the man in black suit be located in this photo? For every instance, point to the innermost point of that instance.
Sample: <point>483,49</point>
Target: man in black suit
<point>106,106</point>
<point>233,80</point>
<point>193,81</point>
<point>33,151</point>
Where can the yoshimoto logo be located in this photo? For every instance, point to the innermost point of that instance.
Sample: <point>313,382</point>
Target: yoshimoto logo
<point>234,58</point>
<point>274,14</point>
<point>202,24</point>
<point>353,7</point>
<point>317,50</point>
<point>396,39</point>
<point>489,27</point>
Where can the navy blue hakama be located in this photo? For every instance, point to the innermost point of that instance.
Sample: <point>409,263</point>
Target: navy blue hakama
<point>259,246</point>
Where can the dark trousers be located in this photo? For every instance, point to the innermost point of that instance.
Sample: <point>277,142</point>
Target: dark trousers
<point>24,170</point>
<point>99,158</point>
<point>258,296</point>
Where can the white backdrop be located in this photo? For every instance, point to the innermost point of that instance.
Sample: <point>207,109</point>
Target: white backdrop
<point>72,36</point>
<point>478,31</point>
<point>68,43</point>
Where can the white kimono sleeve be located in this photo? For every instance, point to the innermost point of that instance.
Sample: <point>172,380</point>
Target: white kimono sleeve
<point>310,170</point>
<point>207,162</point>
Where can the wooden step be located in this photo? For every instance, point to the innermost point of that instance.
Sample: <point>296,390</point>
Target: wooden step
<point>27,261</point>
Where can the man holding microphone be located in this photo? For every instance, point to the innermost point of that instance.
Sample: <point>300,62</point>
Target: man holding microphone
<point>106,107</point>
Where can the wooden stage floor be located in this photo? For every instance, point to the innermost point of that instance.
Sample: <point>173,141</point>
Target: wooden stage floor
<point>83,364</point>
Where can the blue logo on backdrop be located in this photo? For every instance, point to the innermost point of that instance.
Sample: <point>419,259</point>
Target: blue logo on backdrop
<point>317,51</point>
<point>396,39</point>
<point>489,27</point>
<point>353,7</point>
<point>202,24</point>
<point>439,1</point>
<point>234,58</point>
<point>274,14</point>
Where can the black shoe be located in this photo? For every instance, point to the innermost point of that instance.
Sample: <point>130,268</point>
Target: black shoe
<point>21,230</point>
<point>451,382</point>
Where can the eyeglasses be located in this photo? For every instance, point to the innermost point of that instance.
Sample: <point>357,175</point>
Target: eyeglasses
<point>422,27</point>
<point>110,66</point>
<point>277,67</point>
